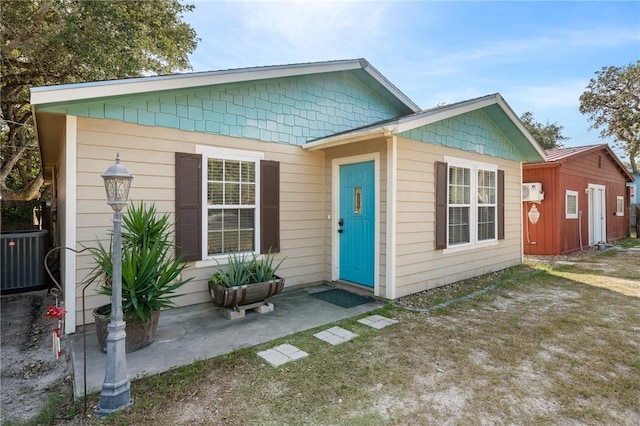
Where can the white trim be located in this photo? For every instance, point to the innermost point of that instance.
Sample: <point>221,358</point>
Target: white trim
<point>335,201</point>
<point>70,230</point>
<point>516,120</point>
<point>592,223</point>
<point>520,173</point>
<point>132,86</point>
<point>567,194</point>
<point>619,199</point>
<point>230,154</point>
<point>430,117</point>
<point>355,136</point>
<point>392,201</point>
<point>474,166</point>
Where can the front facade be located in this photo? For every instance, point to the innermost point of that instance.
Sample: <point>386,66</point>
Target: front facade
<point>326,164</point>
<point>585,201</point>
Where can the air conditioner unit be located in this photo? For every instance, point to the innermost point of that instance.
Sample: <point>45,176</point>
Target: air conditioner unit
<point>532,191</point>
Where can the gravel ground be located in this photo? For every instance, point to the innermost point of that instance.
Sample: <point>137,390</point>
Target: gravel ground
<point>29,371</point>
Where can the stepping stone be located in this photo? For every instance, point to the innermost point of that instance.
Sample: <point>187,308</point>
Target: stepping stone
<point>335,335</point>
<point>377,321</point>
<point>282,354</point>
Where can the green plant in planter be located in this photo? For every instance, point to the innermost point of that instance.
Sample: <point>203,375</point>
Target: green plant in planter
<point>241,270</point>
<point>149,271</point>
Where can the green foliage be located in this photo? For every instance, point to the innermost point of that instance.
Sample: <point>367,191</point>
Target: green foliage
<point>243,271</point>
<point>549,136</point>
<point>611,102</point>
<point>55,42</point>
<point>262,269</point>
<point>18,215</point>
<point>149,271</point>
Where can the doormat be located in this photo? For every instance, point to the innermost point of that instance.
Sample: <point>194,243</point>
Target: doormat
<point>342,298</point>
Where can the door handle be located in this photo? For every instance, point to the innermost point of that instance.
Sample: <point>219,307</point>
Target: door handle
<point>341,222</point>
<point>340,231</point>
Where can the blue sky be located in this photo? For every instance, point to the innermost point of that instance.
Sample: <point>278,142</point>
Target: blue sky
<point>538,55</point>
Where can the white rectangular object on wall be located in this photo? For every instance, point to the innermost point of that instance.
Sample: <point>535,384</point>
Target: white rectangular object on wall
<point>532,191</point>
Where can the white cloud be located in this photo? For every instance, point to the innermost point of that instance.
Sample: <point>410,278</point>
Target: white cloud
<point>268,33</point>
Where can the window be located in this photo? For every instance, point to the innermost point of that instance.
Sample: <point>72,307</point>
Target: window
<point>472,203</point>
<point>227,201</point>
<point>486,205</point>
<point>619,205</point>
<point>231,206</point>
<point>571,204</point>
<point>459,205</point>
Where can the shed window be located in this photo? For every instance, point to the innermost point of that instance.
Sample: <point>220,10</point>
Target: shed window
<point>619,205</point>
<point>571,204</point>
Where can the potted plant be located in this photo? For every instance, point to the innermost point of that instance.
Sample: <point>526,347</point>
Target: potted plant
<point>150,275</point>
<point>245,281</point>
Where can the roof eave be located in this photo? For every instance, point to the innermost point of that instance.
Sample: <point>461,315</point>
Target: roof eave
<point>110,88</point>
<point>332,141</point>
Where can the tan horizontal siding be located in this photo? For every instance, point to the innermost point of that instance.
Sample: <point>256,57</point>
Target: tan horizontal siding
<point>148,154</point>
<point>418,265</point>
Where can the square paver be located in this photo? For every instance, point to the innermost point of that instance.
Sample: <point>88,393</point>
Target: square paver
<point>282,354</point>
<point>335,335</point>
<point>377,321</point>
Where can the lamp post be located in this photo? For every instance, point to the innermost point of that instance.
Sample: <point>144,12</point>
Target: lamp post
<point>115,394</point>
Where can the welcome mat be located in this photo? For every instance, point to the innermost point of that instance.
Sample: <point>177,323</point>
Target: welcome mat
<point>342,298</point>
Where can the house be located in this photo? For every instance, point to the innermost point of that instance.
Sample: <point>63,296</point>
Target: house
<point>585,200</point>
<point>328,164</point>
<point>634,204</point>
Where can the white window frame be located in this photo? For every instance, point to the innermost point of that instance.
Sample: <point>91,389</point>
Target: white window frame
<point>567,213</point>
<point>227,154</point>
<point>619,205</point>
<point>473,213</point>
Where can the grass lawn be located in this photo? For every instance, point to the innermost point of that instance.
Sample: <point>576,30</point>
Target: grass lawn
<point>549,344</point>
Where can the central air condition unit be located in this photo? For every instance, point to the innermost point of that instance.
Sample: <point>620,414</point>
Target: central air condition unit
<point>532,192</point>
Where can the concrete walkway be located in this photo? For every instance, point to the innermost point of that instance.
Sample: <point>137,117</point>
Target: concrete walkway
<point>201,332</point>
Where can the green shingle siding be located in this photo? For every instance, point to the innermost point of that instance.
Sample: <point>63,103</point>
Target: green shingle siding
<point>472,131</point>
<point>286,110</point>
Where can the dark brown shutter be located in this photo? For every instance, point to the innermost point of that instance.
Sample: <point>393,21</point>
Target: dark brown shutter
<point>269,206</point>
<point>442,182</point>
<point>501,204</point>
<point>189,206</point>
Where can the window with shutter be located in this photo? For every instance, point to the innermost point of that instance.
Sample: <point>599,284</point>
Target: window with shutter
<point>469,203</point>
<point>241,210</point>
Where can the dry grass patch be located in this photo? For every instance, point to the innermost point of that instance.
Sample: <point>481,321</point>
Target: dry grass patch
<point>542,347</point>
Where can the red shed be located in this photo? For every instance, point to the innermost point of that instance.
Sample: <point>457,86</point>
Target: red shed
<point>577,198</point>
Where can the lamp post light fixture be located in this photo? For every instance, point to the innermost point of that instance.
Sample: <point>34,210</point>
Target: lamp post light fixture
<point>116,388</point>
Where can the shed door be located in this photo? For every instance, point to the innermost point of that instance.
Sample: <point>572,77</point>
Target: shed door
<point>357,223</point>
<point>597,214</point>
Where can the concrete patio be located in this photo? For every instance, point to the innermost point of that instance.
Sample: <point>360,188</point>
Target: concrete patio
<point>201,332</point>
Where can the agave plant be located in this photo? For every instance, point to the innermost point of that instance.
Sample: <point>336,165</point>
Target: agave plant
<point>149,271</point>
<point>242,270</point>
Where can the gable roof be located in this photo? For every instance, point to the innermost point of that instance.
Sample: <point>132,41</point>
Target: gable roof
<point>493,105</point>
<point>109,88</point>
<point>562,155</point>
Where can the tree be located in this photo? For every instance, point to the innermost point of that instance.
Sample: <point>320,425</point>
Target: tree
<point>549,136</point>
<point>612,101</point>
<point>66,41</point>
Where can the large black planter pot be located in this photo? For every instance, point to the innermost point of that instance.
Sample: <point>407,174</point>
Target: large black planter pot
<point>228,297</point>
<point>139,334</point>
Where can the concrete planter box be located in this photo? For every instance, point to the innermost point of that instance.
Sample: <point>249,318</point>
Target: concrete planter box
<point>230,297</point>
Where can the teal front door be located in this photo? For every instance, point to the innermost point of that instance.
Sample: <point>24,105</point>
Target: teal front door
<point>357,223</point>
